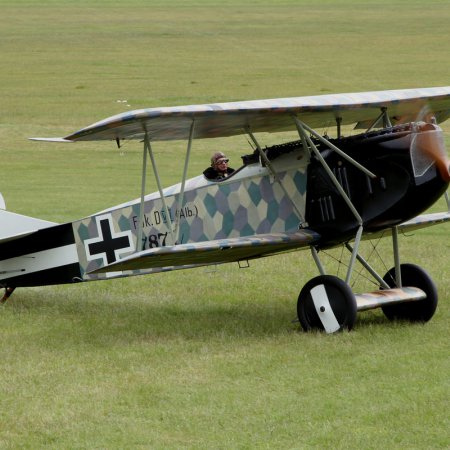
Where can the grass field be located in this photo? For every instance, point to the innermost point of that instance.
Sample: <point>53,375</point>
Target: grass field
<point>204,359</point>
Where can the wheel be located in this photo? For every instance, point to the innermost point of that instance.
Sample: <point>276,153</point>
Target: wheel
<point>414,311</point>
<point>326,303</point>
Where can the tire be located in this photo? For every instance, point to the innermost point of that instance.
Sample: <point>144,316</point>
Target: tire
<point>413,311</point>
<point>338,312</point>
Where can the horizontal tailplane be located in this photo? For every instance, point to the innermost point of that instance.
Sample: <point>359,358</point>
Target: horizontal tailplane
<point>14,226</point>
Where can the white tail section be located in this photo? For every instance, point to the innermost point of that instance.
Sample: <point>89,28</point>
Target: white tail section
<point>2,202</point>
<point>14,226</point>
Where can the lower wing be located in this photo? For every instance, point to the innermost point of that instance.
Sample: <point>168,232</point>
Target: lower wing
<point>418,222</point>
<point>214,252</point>
<point>425,220</point>
<point>239,249</point>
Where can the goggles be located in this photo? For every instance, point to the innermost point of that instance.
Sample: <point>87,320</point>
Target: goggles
<point>223,160</point>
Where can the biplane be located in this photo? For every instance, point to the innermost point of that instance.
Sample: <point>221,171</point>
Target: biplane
<point>314,192</point>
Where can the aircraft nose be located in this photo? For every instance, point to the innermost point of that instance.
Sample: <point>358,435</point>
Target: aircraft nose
<point>429,142</point>
<point>443,166</point>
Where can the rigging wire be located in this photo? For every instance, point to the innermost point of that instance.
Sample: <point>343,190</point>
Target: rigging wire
<point>374,256</point>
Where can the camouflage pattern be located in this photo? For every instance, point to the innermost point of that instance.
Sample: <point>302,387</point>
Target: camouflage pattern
<point>246,204</point>
<point>213,252</point>
<point>271,115</point>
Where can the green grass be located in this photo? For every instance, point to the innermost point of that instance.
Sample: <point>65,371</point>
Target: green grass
<point>203,359</point>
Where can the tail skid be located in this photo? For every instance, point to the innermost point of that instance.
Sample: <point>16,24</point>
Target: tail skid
<point>8,292</point>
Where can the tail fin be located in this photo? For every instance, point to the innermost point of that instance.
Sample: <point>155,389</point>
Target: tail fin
<point>2,202</point>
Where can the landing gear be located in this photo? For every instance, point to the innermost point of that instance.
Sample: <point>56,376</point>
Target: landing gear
<point>326,303</point>
<point>415,311</point>
<point>333,208</point>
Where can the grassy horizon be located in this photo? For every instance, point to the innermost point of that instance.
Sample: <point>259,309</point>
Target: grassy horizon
<point>204,358</point>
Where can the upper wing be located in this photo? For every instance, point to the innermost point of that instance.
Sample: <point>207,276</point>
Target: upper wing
<point>228,119</point>
<point>213,252</point>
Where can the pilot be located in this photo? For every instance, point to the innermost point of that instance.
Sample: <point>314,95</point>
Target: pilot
<point>219,167</point>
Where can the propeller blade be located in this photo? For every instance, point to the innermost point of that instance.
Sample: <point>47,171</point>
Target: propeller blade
<point>427,148</point>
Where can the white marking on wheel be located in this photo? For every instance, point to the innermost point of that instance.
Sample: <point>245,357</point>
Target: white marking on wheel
<point>323,309</point>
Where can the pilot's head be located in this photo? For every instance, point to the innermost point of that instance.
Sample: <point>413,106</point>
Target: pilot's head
<point>219,161</point>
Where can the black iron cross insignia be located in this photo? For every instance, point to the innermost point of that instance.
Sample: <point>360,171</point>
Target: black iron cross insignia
<point>109,245</point>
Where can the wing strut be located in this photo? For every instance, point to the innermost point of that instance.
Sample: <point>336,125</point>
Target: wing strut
<point>174,226</point>
<point>344,155</point>
<point>183,183</point>
<point>274,174</point>
<point>338,126</point>
<point>301,126</point>
<point>141,208</point>
<point>301,130</point>
<point>383,116</point>
<point>158,182</point>
<point>148,148</point>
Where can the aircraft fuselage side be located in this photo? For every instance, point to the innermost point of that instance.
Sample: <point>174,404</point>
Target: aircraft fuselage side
<point>257,199</point>
<point>249,202</point>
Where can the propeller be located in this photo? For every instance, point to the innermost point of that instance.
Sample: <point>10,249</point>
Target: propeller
<point>428,146</point>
